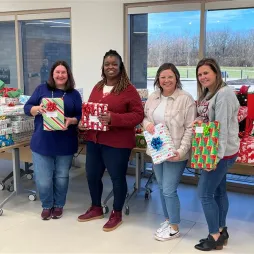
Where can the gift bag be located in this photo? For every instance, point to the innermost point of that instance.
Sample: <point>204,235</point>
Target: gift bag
<point>160,144</point>
<point>205,143</point>
<point>53,114</point>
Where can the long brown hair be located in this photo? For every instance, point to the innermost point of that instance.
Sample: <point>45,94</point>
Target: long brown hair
<point>124,80</point>
<point>202,91</point>
<point>70,84</point>
<point>167,66</point>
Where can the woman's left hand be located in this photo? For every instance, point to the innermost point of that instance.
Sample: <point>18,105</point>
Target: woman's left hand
<point>105,118</point>
<point>69,121</point>
<point>176,157</point>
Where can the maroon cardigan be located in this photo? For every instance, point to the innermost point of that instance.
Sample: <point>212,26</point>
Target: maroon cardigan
<point>126,112</point>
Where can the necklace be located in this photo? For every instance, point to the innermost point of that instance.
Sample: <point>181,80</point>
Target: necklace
<point>62,96</point>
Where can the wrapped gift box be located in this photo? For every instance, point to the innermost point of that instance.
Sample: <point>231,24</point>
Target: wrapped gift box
<point>9,101</point>
<point>11,111</point>
<point>21,137</point>
<point>23,99</point>
<point>90,113</point>
<point>6,140</point>
<point>53,114</point>
<point>3,126</point>
<point>246,151</point>
<point>143,93</point>
<point>5,121</point>
<point>8,130</point>
<point>165,150</point>
<point>140,141</point>
<point>22,126</point>
<point>205,145</point>
<point>242,113</point>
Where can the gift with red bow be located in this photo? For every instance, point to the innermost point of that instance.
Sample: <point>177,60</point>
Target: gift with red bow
<point>90,113</point>
<point>9,95</point>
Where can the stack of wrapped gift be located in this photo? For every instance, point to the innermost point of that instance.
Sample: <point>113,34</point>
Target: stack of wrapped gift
<point>6,140</point>
<point>53,114</point>
<point>11,110</point>
<point>205,143</point>
<point>90,113</point>
<point>22,137</point>
<point>5,132</point>
<point>5,126</point>
<point>22,124</point>
<point>160,144</point>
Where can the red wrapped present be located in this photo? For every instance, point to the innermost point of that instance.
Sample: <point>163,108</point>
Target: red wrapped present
<point>242,113</point>
<point>90,113</point>
<point>250,104</point>
<point>246,151</point>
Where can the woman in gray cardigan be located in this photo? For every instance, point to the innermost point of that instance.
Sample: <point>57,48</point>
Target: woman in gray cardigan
<point>217,102</point>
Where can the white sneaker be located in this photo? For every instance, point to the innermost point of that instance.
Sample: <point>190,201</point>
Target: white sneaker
<point>162,227</point>
<point>167,234</point>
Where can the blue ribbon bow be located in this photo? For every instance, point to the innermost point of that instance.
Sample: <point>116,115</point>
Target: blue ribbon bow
<point>156,143</point>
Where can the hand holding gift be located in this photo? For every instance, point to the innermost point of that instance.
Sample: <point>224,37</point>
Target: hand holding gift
<point>105,118</point>
<point>160,144</point>
<point>95,116</point>
<point>205,143</point>
<point>150,128</point>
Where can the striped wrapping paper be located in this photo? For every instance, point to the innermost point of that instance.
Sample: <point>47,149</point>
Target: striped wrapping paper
<point>53,123</point>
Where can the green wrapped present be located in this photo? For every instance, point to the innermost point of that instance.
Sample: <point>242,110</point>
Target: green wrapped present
<point>205,143</point>
<point>140,141</point>
<point>53,115</point>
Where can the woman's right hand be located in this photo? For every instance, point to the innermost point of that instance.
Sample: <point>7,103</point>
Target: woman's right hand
<point>81,127</point>
<point>37,110</point>
<point>196,121</point>
<point>150,128</point>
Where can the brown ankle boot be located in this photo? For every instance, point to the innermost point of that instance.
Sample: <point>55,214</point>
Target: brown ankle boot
<point>115,220</point>
<point>93,213</point>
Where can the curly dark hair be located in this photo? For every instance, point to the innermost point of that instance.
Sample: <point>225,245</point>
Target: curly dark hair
<point>124,80</point>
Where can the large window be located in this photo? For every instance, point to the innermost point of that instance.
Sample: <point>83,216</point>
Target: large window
<point>156,38</point>
<point>8,60</point>
<point>30,43</point>
<point>230,40</point>
<point>43,43</point>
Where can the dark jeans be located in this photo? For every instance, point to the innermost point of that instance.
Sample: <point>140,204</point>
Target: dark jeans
<point>98,158</point>
<point>213,194</point>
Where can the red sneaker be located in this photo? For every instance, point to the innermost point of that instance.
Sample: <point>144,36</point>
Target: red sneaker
<point>93,213</point>
<point>57,213</point>
<point>46,214</point>
<point>115,220</point>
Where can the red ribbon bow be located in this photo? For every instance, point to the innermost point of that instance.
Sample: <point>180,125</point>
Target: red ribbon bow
<point>51,106</point>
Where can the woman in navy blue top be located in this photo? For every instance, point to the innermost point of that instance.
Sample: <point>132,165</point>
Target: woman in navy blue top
<point>53,150</point>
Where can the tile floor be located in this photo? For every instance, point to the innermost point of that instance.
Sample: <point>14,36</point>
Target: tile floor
<point>22,230</point>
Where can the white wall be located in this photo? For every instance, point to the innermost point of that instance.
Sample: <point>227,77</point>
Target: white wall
<point>97,26</point>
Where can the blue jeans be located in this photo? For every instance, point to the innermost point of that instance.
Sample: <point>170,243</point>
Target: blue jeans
<point>168,175</point>
<point>213,194</point>
<point>52,178</point>
<point>99,157</point>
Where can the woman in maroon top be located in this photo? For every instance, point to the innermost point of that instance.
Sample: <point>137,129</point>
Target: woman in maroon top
<point>111,149</point>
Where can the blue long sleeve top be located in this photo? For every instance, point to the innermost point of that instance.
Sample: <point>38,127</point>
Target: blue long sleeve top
<point>55,143</point>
